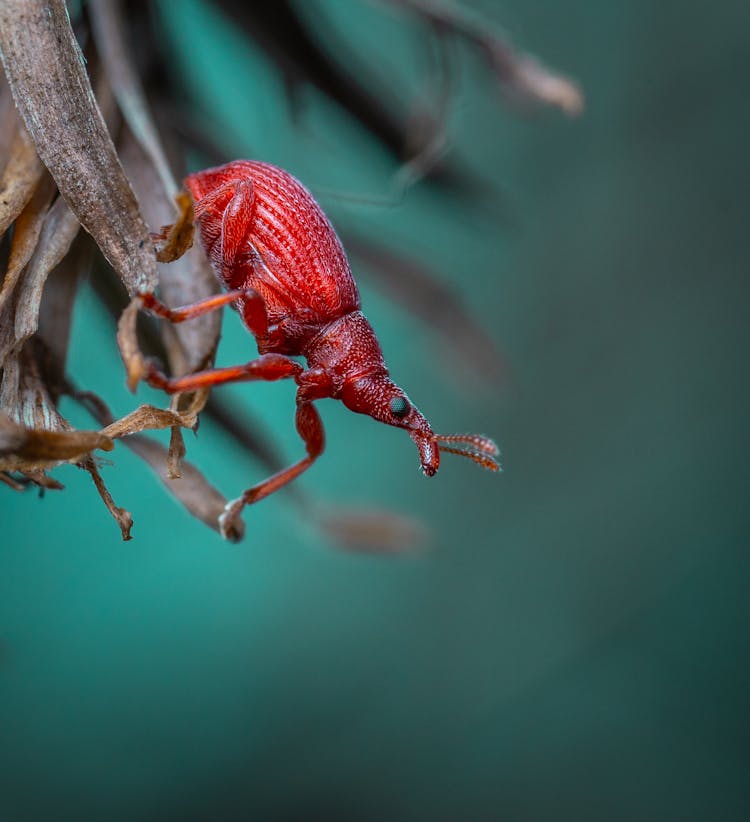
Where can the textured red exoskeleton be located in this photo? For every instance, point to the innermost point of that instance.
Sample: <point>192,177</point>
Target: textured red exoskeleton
<point>272,246</point>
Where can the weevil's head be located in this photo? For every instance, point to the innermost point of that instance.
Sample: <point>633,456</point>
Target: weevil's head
<point>379,397</point>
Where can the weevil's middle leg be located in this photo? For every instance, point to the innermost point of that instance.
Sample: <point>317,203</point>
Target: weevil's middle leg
<point>268,367</point>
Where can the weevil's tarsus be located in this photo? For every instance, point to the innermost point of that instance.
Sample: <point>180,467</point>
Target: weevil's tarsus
<point>173,240</point>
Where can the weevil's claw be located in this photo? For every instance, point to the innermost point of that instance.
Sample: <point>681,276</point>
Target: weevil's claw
<point>173,240</point>
<point>230,525</point>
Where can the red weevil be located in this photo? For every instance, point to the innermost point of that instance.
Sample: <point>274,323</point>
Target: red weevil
<point>272,246</point>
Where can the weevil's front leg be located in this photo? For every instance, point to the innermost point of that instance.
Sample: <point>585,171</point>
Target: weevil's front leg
<point>237,221</point>
<point>226,218</point>
<point>269,367</point>
<point>310,428</point>
<point>226,215</point>
<point>231,208</point>
<point>254,309</point>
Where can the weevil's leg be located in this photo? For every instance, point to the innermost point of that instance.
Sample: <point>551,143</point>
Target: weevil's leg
<point>254,311</point>
<point>215,202</point>
<point>226,216</point>
<point>173,240</point>
<point>269,367</point>
<point>310,428</point>
<point>236,217</point>
<point>236,222</point>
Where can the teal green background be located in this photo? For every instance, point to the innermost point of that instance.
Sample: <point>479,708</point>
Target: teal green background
<point>574,645</point>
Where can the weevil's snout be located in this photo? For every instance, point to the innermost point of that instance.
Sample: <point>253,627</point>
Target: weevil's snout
<point>379,397</point>
<point>429,452</point>
<point>479,449</point>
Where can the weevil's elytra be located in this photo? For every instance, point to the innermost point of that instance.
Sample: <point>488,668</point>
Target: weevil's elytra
<point>273,248</point>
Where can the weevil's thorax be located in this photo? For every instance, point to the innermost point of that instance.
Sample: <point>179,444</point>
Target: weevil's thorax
<point>346,349</point>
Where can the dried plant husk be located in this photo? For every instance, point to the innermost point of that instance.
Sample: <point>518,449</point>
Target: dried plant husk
<point>190,346</point>
<point>147,418</point>
<point>8,120</point>
<point>46,73</point>
<point>40,438</point>
<point>58,232</point>
<point>191,489</point>
<point>51,87</point>
<point>127,342</point>
<point>36,437</point>
<point>121,516</point>
<point>30,449</point>
<point>28,226</point>
<point>56,311</point>
<point>21,174</point>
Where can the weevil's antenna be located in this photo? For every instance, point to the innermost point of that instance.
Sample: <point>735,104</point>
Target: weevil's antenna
<point>475,441</point>
<point>481,450</point>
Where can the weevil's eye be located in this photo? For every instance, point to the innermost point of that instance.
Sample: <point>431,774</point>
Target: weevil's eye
<point>400,407</point>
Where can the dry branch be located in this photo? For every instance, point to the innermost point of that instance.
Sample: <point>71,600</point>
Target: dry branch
<point>47,76</point>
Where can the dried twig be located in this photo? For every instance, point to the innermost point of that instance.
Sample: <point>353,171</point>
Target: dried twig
<point>192,489</point>
<point>45,70</point>
<point>522,77</point>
